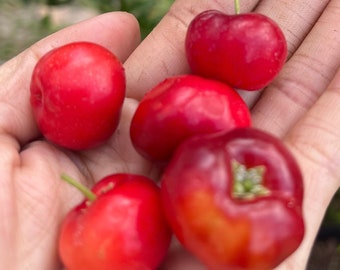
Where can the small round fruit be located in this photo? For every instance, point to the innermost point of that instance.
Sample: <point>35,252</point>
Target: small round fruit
<point>77,92</point>
<point>183,106</point>
<point>234,199</point>
<point>122,227</point>
<point>246,51</point>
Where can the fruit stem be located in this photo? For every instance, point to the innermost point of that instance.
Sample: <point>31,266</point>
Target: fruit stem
<point>237,6</point>
<point>86,191</point>
<point>248,182</point>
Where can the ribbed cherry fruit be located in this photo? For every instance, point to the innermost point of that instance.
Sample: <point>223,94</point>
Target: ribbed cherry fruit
<point>246,51</point>
<point>120,225</point>
<point>77,92</point>
<point>183,106</point>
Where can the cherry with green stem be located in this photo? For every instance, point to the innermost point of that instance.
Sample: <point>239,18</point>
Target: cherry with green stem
<point>108,231</point>
<point>244,50</point>
<point>234,199</point>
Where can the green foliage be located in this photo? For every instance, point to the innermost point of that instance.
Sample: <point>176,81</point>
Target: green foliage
<point>57,2</point>
<point>21,24</point>
<point>147,12</point>
<point>332,216</point>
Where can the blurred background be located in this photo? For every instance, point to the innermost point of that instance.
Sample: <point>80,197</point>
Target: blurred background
<point>22,22</point>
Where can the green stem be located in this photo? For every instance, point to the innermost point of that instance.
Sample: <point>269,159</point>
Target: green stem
<point>248,182</point>
<point>237,6</point>
<point>87,192</point>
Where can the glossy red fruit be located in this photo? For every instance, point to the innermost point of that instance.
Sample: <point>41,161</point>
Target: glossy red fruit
<point>235,199</point>
<point>77,92</point>
<point>246,51</point>
<point>183,106</point>
<point>123,227</point>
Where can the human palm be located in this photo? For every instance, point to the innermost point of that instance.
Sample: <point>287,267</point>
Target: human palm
<point>301,107</point>
<point>33,197</point>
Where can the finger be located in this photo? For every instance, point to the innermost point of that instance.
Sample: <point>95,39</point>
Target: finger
<point>118,153</point>
<point>296,18</point>
<point>315,142</point>
<point>305,76</point>
<point>161,54</point>
<point>117,31</point>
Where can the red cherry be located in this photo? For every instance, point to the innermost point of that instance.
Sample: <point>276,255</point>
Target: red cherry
<point>120,225</point>
<point>183,106</point>
<point>234,199</point>
<point>246,51</point>
<point>77,92</point>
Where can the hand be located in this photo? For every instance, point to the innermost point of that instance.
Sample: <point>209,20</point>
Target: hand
<point>300,107</point>
<point>34,199</point>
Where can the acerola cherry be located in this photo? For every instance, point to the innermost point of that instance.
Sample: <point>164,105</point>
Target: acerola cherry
<point>183,106</point>
<point>246,51</point>
<point>234,199</point>
<point>77,92</point>
<point>120,225</point>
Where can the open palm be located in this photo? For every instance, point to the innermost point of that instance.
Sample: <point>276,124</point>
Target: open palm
<point>33,197</point>
<point>301,107</point>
